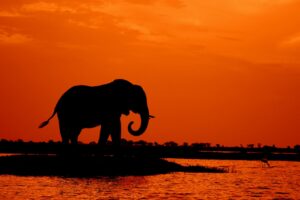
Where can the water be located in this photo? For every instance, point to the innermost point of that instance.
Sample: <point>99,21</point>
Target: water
<point>247,180</point>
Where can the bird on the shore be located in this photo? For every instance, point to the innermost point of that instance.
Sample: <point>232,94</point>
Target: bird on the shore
<point>265,162</point>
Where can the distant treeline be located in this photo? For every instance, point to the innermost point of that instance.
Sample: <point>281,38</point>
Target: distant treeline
<point>171,149</point>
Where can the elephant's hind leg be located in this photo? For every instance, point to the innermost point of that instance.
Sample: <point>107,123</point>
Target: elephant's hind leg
<point>74,135</point>
<point>64,133</point>
<point>68,133</point>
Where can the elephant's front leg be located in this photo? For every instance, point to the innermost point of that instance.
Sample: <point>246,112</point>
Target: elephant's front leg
<point>116,133</point>
<point>104,133</point>
<point>113,127</point>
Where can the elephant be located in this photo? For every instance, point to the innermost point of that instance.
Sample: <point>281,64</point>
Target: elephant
<point>89,106</point>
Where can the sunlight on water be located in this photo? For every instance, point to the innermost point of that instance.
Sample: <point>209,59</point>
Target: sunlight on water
<point>250,180</point>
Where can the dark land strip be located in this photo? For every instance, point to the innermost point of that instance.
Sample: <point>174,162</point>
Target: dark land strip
<point>90,160</point>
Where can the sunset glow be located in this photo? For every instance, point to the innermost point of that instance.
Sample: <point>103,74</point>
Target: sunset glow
<point>215,71</point>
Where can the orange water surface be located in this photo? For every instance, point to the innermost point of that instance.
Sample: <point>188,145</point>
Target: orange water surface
<point>247,180</point>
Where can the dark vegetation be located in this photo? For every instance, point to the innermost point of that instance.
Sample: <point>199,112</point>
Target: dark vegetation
<point>132,158</point>
<point>92,166</point>
<point>85,160</point>
<point>166,150</point>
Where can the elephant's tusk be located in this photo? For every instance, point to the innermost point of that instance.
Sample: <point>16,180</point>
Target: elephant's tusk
<point>151,116</point>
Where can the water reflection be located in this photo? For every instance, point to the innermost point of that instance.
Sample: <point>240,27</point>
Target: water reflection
<point>249,181</point>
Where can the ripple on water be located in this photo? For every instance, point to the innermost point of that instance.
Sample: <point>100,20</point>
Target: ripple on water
<point>250,181</point>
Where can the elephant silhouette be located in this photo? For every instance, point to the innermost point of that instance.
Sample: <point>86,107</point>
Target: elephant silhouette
<point>89,106</point>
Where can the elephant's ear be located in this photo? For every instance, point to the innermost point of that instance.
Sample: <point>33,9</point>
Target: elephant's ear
<point>124,101</point>
<point>125,112</point>
<point>122,89</point>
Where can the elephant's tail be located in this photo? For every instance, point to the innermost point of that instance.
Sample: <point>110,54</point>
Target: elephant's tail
<point>47,122</point>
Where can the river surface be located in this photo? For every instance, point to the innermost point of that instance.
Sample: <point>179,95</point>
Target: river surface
<point>245,180</point>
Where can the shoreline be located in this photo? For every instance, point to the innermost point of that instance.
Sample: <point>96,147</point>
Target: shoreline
<point>173,154</point>
<point>93,166</point>
<point>141,149</point>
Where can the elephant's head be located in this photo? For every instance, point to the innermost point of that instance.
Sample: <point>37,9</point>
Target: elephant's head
<point>134,99</point>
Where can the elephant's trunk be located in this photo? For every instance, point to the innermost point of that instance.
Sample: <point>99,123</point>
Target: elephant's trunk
<point>144,123</point>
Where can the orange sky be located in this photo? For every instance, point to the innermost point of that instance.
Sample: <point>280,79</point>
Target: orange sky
<point>214,71</point>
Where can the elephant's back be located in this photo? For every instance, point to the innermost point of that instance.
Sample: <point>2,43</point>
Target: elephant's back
<point>80,94</point>
<point>78,90</point>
